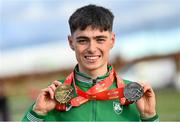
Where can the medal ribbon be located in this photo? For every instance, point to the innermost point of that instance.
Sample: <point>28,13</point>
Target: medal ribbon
<point>97,92</point>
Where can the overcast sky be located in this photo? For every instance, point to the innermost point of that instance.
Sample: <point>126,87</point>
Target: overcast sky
<point>34,22</point>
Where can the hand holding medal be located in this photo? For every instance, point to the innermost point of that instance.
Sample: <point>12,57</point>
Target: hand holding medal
<point>146,105</point>
<point>45,101</point>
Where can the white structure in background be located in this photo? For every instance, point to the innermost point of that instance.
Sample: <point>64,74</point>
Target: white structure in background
<point>52,56</point>
<point>159,73</point>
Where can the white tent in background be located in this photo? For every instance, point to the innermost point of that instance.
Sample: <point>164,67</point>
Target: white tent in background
<point>52,56</point>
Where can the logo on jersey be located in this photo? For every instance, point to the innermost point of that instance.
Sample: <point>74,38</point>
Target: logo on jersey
<point>118,108</point>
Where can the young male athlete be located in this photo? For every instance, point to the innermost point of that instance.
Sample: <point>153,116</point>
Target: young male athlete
<point>97,90</point>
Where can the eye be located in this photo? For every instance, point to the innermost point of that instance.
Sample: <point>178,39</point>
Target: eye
<point>82,41</point>
<point>101,40</point>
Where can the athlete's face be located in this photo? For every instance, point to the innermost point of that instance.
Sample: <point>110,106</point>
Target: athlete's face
<point>92,48</point>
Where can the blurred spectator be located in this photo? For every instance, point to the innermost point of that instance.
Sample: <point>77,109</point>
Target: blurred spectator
<point>4,108</point>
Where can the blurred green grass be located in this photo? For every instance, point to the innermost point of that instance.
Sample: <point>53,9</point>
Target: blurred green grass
<point>168,106</point>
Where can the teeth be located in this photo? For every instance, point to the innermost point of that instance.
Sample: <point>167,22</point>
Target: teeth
<point>91,57</point>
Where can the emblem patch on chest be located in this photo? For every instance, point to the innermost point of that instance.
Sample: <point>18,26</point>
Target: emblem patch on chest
<point>118,108</point>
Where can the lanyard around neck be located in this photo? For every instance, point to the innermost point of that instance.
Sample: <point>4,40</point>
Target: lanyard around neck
<point>99,91</point>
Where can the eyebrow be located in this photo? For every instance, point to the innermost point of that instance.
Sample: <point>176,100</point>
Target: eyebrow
<point>82,37</point>
<point>85,37</point>
<point>101,37</point>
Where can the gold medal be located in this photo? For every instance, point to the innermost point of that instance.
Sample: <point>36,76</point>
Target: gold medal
<point>64,93</point>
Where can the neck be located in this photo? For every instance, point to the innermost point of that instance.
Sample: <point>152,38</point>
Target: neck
<point>94,73</point>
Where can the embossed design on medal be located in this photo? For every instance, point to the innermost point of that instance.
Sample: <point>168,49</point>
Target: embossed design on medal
<point>64,93</point>
<point>133,91</point>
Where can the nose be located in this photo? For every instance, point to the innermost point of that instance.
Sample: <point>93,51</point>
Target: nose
<point>92,46</point>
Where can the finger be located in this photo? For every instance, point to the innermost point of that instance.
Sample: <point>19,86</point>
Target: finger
<point>51,92</point>
<point>148,90</point>
<point>56,83</point>
<point>48,91</point>
<point>53,87</point>
<point>123,101</point>
<point>44,91</point>
<point>144,85</point>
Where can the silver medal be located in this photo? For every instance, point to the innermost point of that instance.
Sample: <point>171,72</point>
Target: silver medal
<point>133,91</point>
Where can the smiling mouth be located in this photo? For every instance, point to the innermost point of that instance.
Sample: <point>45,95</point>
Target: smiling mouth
<point>92,58</point>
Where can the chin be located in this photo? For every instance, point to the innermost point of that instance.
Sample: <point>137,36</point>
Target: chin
<point>93,66</point>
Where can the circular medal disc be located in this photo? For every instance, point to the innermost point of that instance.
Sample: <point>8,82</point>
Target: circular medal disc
<point>64,93</point>
<point>133,91</point>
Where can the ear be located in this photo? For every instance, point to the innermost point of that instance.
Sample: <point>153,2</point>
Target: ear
<point>71,44</point>
<point>112,40</point>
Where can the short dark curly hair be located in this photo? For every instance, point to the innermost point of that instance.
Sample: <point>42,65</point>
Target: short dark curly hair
<point>91,15</point>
